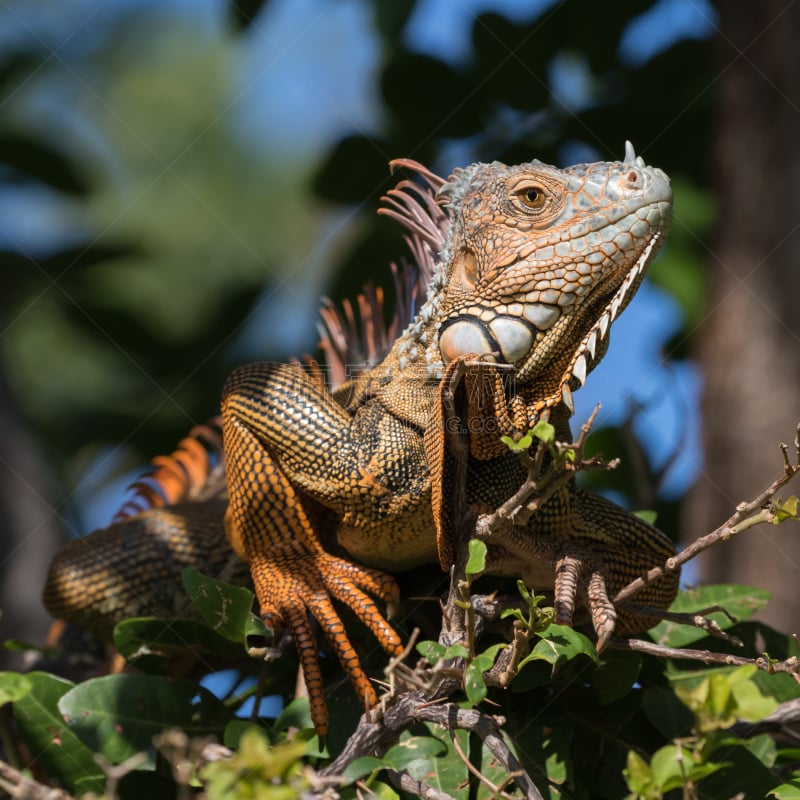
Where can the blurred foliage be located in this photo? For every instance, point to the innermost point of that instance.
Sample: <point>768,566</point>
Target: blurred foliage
<point>173,224</point>
<point>176,227</point>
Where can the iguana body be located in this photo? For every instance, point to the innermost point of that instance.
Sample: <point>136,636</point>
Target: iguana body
<point>536,264</point>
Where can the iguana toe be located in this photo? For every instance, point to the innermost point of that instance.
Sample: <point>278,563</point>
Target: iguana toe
<point>295,587</point>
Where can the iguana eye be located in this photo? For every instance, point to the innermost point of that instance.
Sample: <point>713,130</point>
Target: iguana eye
<point>532,197</point>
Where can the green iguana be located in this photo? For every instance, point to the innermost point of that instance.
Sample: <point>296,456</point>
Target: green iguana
<point>327,489</point>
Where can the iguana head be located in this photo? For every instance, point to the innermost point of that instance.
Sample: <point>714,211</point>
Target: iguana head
<point>537,264</point>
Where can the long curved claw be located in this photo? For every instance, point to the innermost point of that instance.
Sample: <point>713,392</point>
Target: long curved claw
<point>571,580</point>
<point>299,626</point>
<point>343,583</point>
<point>604,615</point>
<point>304,583</point>
<point>593,548</point>
<point>568,573</point>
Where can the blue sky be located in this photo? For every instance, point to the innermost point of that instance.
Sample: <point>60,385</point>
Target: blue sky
<point>297,94</point>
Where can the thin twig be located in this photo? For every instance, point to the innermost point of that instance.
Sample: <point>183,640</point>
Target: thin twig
<point>15,784</point>
<point>697,619</point>
<point>747,515</point>
<point>411,708</point>
<point>540,485</point>
<point>790,665</point>
<point>488,729</point>
<point>471,768</point>
<point>116,772</point>
<point>404,781</point>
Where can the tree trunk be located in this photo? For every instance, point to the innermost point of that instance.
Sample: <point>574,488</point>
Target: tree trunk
<point>31,533</point>
<point>749,343</point>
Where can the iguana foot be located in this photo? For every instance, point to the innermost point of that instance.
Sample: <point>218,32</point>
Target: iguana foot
<point>299,583</point>
<point>575,572</point>
<point>574,576</point>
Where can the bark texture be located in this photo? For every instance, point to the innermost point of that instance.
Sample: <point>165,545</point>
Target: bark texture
<point>749,343</point>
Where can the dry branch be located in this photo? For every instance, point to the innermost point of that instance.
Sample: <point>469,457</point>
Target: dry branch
<point>411,708</point>
<point>15,784</point>
<point>747,515</point>
<point>790,665</point>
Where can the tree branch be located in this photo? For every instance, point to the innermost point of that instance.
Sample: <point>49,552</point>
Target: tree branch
<point>16,784</point>
<point>790,665</point>
<point>747,516</point>
<point>411,708</point>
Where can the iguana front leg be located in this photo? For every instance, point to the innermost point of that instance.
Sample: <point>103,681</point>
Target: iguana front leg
<point>280,431</point>
<point>582,546</point>
<point>469,415</point>
<point>587,547</point>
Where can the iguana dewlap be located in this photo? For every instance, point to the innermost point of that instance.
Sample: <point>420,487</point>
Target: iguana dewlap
<point>329,489</point>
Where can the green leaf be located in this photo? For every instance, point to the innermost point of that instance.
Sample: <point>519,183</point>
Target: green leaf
<point>21,645</point>
<point>149,640</point>
<point>234,731</point>
<point>13,687</point>
<point>557,764</point>
<point>399,756</point>
<point>456,650</point>
<point>517,447</point>
<point>668,765</point>
<point>617,674</point>
<point>560,644</point>
<point>476,563</point>
<point>226,609</point>
<point>543,431</point>
<point>525,594</point>
<point>382,791</point>
<point>749,703</point>
<point>672,766</point>
<point>296,714</point>
<point>486,659</point>
<point>447,771</point>
<point>725,696</point>
<point>258,770</point>
<point>474,685</point>
<point>118,715</point>
<point>432,652</point>
<point>666,713</point>
<point>763,747</point>
<point>638,775</point>
<point>744,773</point>
<point>648,515</point>
<point>790,509</point>
<point>359,767</point>
<point>700,771</point>
<point>515,613</point>
<point>59,752</point>
<point>786,791</point>
<point>524,442</point>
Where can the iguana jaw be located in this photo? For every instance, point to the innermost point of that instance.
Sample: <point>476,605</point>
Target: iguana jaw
<point>603,304</point>
<point>595,341</point>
